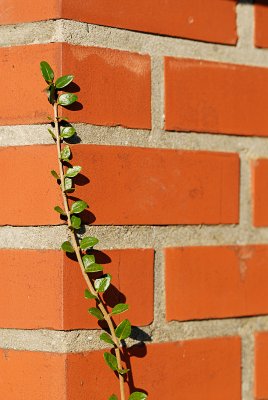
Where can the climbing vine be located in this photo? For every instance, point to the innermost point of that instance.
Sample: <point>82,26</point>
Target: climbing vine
<point>82,248</point>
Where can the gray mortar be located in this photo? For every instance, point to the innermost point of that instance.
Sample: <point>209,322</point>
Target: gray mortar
<point>146,236</point>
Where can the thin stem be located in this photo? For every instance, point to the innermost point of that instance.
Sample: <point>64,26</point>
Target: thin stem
<point>76,248</point>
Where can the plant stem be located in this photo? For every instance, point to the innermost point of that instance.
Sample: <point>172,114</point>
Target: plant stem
<point>75,244</point>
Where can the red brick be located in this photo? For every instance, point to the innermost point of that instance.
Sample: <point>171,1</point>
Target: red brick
<point>32,375</point>
<point>50,288</point>
<point>261,366</point>
<point>15,11</point>
<point>205,369</point>
<point>115,86</point>
<point>211,21</point>
<point>212,364</point>
<point>216,282</point>
<point>116,91</point>
<point>127,185</point>
<point>260,192</point>
<point>261,23</point>
<point>214,97</point>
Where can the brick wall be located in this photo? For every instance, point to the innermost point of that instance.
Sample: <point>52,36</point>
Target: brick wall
<point>173,130</point>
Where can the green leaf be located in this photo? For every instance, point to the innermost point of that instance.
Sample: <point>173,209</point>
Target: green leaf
<point>123,371</point>
<point>119,308</point>
<point>78,207</point>
<point>52,94</point>
<point>94,268</point>
<point>63,81</point>
<point>76,222</point>
<point>67,132</point>
<point>89,295</point>
<point>67,99</point>
<point>113,397</point>
<point>65,153</point>
<point>90,265</point>
<point>54,173</point>
<point>123,330</point>
<point>67,184</point>
<point>88,242</point>
<point>137,396</point>
<point>59,210</point>
<point>102,284</point>
<point>106,338</point>
<point>52,134</point>
<point>66,246</point>
<point>96,313</point>
<point>47,71</point>
<point>111,361</point>
<point>72,172</point>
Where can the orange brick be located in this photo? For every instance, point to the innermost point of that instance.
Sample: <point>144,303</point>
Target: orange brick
<point>205,96</point>
<point>212,21</point>
<point>15,11</point>
<point>32,375</point>
<point>209,20</point>
<point>216,282</point>
<point>261,366</point>
<point>115,86</point>
<point>212,364</point>
<point>205,369</point>
<point>116,91</point>
<point>45,289</point>
<point>261,23</point>
<point>127,185</point>
<point>260,192</point>
<point>22,82</point>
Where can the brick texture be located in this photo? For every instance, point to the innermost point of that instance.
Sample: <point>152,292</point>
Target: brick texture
<point>50,288</point>
<point>259,192</point>
<point>261,365</point>
<point>212,364</point>
<point>119,82</point>
<point>145,186</point>
<point>216,282</point>
<point>213,97</point>
<point>261,23</point>
<point>209,20</point>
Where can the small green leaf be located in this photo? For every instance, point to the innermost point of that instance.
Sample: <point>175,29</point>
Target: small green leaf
<point>67,184</point>
<point>138,396</point>
<point>52,94</point>
<point>111,361</point>
<point>94,268</point>
<point>106,338</point>
<point>102,284</point>
<point>66,246</point>
<point>52,134</point>
<point>63,81</point>
<point>123,371</point>
<point>54,173</point>
<point>67,99</point>
<point>47,71</point>
<point>67,132</point>
<point>123,330</point>
<point>90,265</point>
<point>113,397</point>
<point>59,210</point>
<point>65,153</point>
<point>72,172</point>
<point>88,242</point>
<point>89,295</point>
<point>96,313</point>
<point>119,308</point>
<point>78,207</point>
<point>76,222</point>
